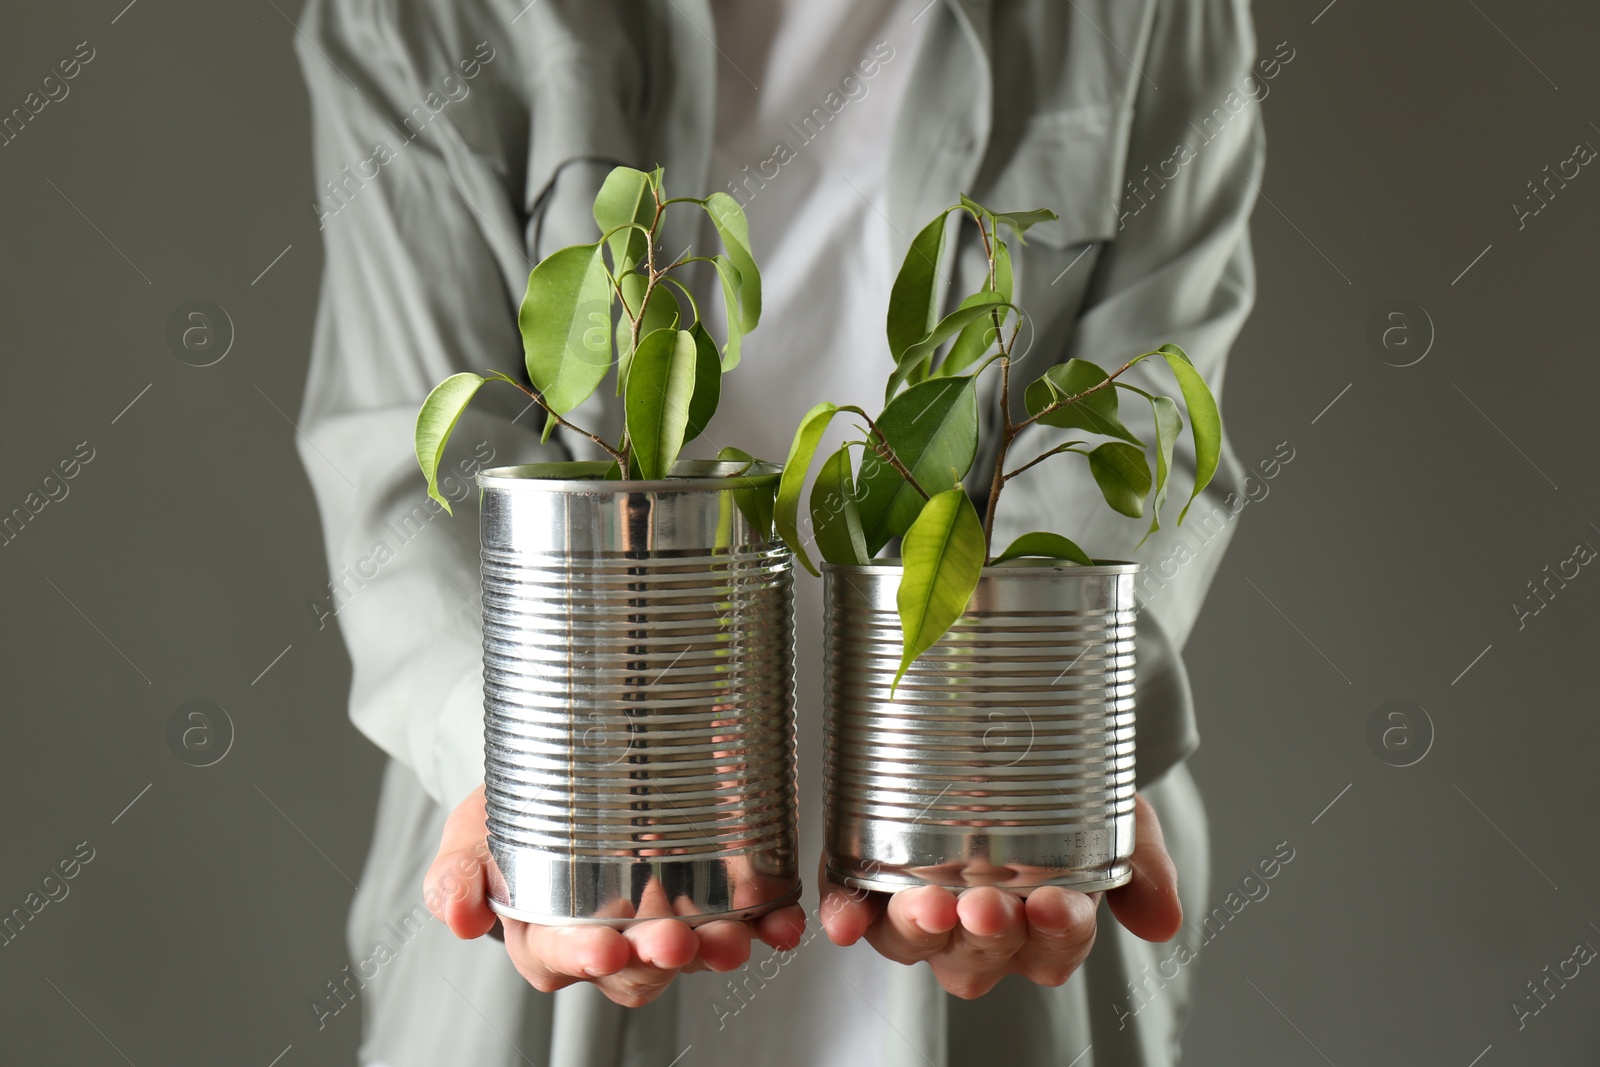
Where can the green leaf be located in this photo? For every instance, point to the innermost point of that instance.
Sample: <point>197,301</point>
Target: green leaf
<point>1205,421</point>
<point>755,501</point>
<point>734,229</point>
<point>914,300</point>
<point>566,326</point>
<point>978,337</point>
<point>835,516</point>
<point>977,306</point>
<point>662,313</point>
<point>972,344</point>
<point>436,419</point>
<point>730,454</point>
<point>722,538</point>
<point>1096,412</point>
<point>1020,221</point>
<point>1049,545</point>
<point>786,515</point>
<point>933,429</point>
<point>707,382</point>
<point>660,388</point>
<point>1123,476</point>
<point>732,285</point>
<point>941,562</point>
<point>1169,424</point>
<point>625,198</point>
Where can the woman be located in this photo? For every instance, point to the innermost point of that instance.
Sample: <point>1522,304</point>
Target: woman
<point>458,143</point>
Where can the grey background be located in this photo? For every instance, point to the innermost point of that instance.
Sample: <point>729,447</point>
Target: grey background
<point>1381,565</point>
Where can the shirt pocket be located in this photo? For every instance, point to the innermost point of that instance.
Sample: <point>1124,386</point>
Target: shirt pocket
<point>1070,161</point>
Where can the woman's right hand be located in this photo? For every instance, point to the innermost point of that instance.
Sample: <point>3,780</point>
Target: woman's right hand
<point>631,966</point>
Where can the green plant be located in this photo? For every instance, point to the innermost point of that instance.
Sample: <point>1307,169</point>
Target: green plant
<point>917,451</point>
<point>670,377</point>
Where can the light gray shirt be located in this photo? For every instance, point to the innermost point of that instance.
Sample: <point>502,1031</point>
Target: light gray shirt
<point>456,143</point>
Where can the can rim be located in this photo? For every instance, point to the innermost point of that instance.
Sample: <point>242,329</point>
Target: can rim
<point>588,477</point>
<point>1102,567</point>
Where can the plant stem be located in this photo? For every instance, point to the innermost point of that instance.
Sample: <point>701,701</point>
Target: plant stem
<point>1007,433</point>
<point>620,457</point>
<point>652,279</point>
<point>886,452</point>
<point>1010,430</point>
<point>1040,458</point>
<point>1064,401</point>
<point>988,250</point>
<point>995,316</point>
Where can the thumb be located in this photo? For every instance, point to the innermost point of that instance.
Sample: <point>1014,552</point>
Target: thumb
<point>1148,905</point>
<point>455,886</point>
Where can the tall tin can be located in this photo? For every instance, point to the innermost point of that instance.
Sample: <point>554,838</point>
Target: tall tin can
<point>1006,755</point>
<point>638,667</point>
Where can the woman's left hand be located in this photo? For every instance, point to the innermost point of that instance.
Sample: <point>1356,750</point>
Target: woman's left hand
<point>974,939</point>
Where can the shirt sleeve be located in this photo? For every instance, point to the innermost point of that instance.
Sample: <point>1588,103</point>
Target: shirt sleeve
<point>1178,270</point>
<point>425,262</point>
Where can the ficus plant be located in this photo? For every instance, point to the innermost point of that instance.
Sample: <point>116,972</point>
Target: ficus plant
<point>907,474</point>
<point>616,303</point>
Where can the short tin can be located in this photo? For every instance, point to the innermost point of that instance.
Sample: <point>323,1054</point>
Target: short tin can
<point>1005,757</point>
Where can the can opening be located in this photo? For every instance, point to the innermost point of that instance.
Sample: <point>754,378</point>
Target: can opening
<point>589,476</point>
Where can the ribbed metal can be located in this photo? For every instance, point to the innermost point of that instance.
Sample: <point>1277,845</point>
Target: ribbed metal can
<point>638,669</point>
<point>1006,755</point>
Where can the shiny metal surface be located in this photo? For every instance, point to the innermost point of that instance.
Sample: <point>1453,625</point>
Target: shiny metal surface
<point>1006,755</point>
<point>638,669</point>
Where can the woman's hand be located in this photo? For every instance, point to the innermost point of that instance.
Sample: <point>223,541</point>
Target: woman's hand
<point>974,939</point>
<point>630,966</point>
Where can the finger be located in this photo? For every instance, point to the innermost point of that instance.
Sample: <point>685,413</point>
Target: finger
<point>1148,905</point>
<point>993,928</point>
<point>782,929</point>
<point>552,957</point>
<point>1061,931</point>
<point>636,985</point>
<point>916,924</point>
<point>664,943</point>
<point>659,949</point>
<point>526,961</point>
<point>455,887</point>
<point>724,944</point>
<point>846,913</point>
